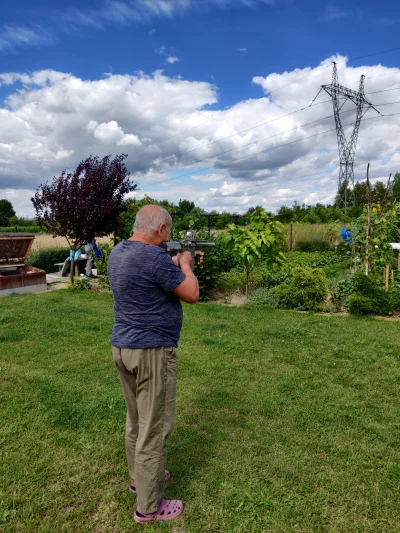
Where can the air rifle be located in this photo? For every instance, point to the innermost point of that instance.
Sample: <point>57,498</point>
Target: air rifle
<point>189,244</point>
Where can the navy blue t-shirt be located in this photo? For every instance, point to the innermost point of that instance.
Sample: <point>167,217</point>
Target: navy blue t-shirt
<point>147,314</point>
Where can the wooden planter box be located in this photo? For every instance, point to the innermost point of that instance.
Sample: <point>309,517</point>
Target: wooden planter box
<point>15,275</point>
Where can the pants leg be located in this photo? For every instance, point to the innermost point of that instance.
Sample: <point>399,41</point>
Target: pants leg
<point>154,371</point>
<point>89,264</point>
<point>128,383</point>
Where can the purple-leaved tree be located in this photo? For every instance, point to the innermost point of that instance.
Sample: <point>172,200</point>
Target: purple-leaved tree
<point>83,204</point>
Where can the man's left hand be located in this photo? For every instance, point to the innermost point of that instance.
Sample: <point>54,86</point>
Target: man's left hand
<point>198,257</point>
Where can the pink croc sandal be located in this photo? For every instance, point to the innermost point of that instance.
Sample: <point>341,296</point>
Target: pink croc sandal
<point>167,477</point>
<point>168,510</point>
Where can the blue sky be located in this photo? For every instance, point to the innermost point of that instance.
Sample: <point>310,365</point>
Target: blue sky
<point>221,44</point>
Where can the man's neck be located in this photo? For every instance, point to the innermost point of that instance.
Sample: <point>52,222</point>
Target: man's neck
<point>137,236</point>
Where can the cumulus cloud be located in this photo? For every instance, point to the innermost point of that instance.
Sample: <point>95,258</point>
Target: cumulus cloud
<point>269,150</point>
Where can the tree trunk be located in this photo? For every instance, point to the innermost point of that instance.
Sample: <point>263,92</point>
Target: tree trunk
<point>72,270</point>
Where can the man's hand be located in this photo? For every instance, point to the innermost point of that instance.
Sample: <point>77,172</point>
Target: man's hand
<point>186,259</point>
<point>198,257</point>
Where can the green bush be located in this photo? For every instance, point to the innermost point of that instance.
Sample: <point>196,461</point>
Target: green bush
<point>45,258</point>
<point>341,290</point>
<point>370,297</point>
<point>306,290</point>
<point>20,229</point>
<point>80,284</point>
<point>216,261</point>
<point>101,265</point>
<point>313,246</point>
<point>264,298</point>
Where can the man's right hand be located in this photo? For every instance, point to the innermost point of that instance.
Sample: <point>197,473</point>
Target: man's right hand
<point>186,259</point>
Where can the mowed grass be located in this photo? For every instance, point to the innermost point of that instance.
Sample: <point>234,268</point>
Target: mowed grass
<point>286,422</point>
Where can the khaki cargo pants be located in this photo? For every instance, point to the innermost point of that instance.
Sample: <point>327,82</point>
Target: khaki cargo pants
<point>148,379</point>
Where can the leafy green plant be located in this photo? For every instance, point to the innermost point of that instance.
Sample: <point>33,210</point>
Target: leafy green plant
<point>306,290</point>
<point>370,297</point>
<point>372,235</point>
<point>101,265</point>
<point>20,229</point>
<point>264,298</point>
<point>46,258</point>
<point>261,240</point>
<point>340,290</point>
<point>80,284</point>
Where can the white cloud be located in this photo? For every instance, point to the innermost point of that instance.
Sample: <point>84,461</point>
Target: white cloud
<point>57,119</point>
<point>172,59</point>
<point>13,36</point>
<point>241,50</point>
<point>209,178</point>
<point>108,12</point>
<point>333,13</point>
<point>167,53</point>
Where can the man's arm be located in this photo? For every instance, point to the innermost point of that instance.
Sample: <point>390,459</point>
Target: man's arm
<point>188,290</point>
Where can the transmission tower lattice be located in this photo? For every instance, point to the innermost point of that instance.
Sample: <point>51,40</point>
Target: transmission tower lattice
<point>347,149</point>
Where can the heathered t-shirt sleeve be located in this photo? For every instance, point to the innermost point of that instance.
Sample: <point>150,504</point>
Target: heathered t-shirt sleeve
<point>165,273</point>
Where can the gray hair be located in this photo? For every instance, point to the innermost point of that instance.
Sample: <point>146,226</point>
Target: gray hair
<point>149,217</point>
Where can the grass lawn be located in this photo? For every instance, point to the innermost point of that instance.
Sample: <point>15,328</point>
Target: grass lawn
<point>286,422</point>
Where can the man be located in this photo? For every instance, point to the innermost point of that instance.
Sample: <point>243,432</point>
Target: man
<point>90,248</point>
<point>147,286</point>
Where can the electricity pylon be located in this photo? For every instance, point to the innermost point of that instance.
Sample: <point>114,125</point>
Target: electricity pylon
<point>347,149</point>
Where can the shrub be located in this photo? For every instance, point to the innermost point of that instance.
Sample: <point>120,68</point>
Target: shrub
<point>306,290</point>
<point>45,258</point>
<point>341,290</point>
<point>101,265</point>
<point>370,297</point>
<point>20,229</point>
<point>216,260</point>
<point>80,284</point>
<point>266,298</point>
<point>313,246</point>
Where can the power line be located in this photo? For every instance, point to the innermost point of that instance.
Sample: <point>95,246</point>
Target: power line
<point>317,174</point>
<point>275,90</point>
<point>250,155</point>
<point>314,175</point>
<point>255,142</point>
<point>257,125</point>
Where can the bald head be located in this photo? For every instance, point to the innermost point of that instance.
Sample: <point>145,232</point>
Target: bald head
<point>149,218</point>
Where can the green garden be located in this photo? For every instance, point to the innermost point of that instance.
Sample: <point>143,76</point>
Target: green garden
<point>288,405</point>
<point>286,421</point>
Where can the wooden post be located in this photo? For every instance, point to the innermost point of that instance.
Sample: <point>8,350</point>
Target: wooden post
<point>368,230</point>
<point>387,278</point>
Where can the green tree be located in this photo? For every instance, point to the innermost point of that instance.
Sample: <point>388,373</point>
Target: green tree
<point>395,188</point>
<point>262,239</point>
<point>6,212</point>
<point>83,204</point>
